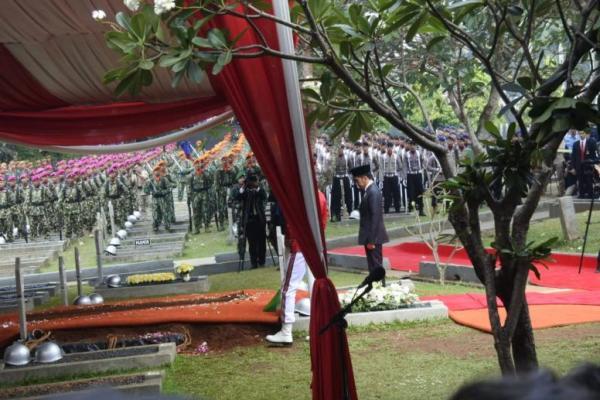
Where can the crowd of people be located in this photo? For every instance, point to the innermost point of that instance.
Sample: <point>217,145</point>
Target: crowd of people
<point>400,168</point>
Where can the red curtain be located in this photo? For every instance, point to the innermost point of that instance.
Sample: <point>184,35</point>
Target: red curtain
<point>104,124</point>
<point>255,89</point>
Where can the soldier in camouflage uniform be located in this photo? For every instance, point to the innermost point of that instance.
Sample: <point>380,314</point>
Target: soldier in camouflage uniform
<point>52,209</point>
<point>16,211</point>
<point>71,199</point>
<point>183,175</point>
<point>114,191</point>
<point>224,180</point>
<point>199,187</point>
<point>37,200</point>
<point>6,226</point>
<point>171,185</point>
<point>158,187</point>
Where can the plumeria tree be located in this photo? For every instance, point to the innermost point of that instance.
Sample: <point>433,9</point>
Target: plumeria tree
<point>532,63</point>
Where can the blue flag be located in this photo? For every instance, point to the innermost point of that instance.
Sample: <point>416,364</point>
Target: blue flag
<point>187,148</point>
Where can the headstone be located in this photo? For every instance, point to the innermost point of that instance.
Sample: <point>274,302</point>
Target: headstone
<point>568,221</point>
<point>21,299</point>
<point>62,277</point>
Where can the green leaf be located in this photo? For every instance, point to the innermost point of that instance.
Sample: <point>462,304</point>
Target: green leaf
<point>508,106</point>
<point>387,68</point>
<point>123,20</point>
<point>180,66</point>
<point>127,83</point>
<point>202,42</point>
<point>513,87</point>
<point>434,41</point>
<point>526,81</point>
<point>342,120</point>
<point>412,31</point>
<point>402,20</point>
<point>491,128</point>
<point>120,41</point>
<point>161,34</point>
<point>217,38</point>
<point>167,61</point>
<point>139,27</point>
<point>348,30</point>
<point>146,64</point>
<point>177,78</point>
<point>202,21</point>
<point>311,94</point>
<point>194,72</point>
<point>355,128</point>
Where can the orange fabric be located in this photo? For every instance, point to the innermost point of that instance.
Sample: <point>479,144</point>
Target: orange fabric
<point>542,316</point>
<point>248,310</point>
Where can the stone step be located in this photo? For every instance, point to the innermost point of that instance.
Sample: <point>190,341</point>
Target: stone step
<point>50,245</point>
<point>25,262</point>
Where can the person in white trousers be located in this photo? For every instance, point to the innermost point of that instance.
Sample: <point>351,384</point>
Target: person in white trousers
<point>296,269</point>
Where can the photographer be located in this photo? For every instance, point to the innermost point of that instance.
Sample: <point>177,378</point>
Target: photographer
<point>253,221</point>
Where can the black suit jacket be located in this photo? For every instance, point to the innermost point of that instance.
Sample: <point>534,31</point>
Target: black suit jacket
<point>372,229</point>
<point>591,153</point>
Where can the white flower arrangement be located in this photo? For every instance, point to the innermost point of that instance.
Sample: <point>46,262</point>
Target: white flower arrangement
<point>390,297</point>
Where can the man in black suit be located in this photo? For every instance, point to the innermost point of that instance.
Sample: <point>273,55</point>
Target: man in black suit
<point>583,155</point>
<point>372,232</point>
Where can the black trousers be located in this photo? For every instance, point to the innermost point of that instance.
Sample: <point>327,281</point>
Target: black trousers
<point>391,191</point>
<point>585,180</point>
<point>340,185</point>
<point>374,257</point>
<point>257,242</point>
<point>414,183</point>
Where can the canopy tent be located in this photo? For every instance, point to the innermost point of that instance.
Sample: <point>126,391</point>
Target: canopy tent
<point>53,56</point>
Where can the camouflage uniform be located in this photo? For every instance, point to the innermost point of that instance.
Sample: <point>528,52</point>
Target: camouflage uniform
<point>171,184</point>
<point>17,209</point>
<point>114,191</point>
<point>199,189</point>
<point>52,208</point>
<point>37,201</point>
<point>224,180</point>
<point>5,214</point>
<point>71,200</point>
<point>160,203</point>
<point>183,177</point>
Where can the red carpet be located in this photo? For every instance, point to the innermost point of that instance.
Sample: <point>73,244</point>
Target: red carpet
<point>542,316</point>
<point>474,301</point>
<point>562,273</point>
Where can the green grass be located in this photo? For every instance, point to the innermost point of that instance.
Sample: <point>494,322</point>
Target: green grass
<point>408,361</point>
<point>208,244</point>
<point>544,230</point>
<point>57,300</point>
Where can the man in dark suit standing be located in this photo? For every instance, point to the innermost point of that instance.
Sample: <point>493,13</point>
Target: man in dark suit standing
<point>583,155</point>
<point>372,232</point>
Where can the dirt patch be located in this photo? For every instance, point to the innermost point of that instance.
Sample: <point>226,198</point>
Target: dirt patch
<point>131,306</point>
<point>219,337</point>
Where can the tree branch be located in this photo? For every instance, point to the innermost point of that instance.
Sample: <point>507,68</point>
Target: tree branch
<point>240,52</point>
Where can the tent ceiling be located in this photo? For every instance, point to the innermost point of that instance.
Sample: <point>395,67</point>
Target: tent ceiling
<point>63,49</point>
